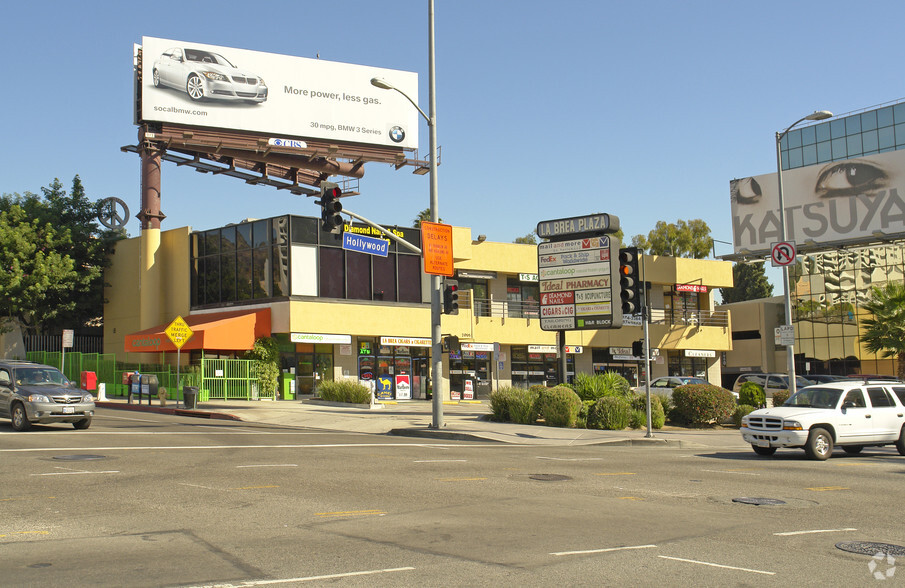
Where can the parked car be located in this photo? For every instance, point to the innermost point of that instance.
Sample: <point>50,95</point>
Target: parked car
<point>666,384</point>
<point>823,378</point>
<point>205,74</point>
<point>35,393</point>
<point>849,414</point>
<point>769,382</point>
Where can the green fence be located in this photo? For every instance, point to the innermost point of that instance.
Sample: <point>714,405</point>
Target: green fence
<point>226,379</point>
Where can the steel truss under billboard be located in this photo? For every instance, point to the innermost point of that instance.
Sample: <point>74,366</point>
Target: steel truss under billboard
<point>846,202</point>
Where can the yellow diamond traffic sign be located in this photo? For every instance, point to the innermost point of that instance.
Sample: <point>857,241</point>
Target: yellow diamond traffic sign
<point>179,332</point>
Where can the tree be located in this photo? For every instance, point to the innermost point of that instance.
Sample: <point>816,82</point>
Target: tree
<point>266,356</point>
<point>66,228</point>
<point>36,276</point>
<point>529,239</point>
<point>682,239</point>
<point>883,333</point>
<point>750,281</point>
<point>424,215</point>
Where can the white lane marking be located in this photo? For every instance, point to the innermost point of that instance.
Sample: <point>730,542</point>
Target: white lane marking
<point>732,472</point>
<point>713,565</point>
<point>571,458</point>
<point>294,446</point>
<point>438,460</point>
<point>302,579</point>
<point>603,550</point>
<point>270,465</point>
<point>196,486</point>
<point>789,533</point>
<point>75,472</point>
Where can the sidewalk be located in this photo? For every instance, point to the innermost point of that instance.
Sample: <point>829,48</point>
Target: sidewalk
<point>462,421</point>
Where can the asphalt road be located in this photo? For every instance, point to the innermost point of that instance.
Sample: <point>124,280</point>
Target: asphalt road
<point>158,500</point>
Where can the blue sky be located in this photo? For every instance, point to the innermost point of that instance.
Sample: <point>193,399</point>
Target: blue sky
<point>643,110</point>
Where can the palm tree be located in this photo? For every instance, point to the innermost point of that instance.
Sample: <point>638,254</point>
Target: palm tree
<point>424,215</point>
<point>884,331</point>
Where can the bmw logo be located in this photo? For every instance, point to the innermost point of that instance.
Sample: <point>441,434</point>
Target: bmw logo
<point>397,135</point>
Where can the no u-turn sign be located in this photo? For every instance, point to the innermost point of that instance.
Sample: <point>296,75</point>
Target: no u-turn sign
<point>783,253</point>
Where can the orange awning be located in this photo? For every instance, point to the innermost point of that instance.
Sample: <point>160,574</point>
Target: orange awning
<point>228,331</point>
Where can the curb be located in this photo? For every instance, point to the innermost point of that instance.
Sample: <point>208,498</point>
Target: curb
<point>478,436</point>
<point>171,411</point>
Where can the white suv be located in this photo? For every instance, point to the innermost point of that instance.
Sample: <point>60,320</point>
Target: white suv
<point>852,415</point>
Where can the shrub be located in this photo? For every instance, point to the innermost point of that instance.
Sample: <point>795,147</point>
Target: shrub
<point>611,413</point>
<point>701,404</point>
<point>637,419</point>
<point>499,404</point>
<point>590,387</point>
<point>752,394</point>
<point>779,397</point>
<point>559,406</point>
<point>740,411</point>
<point>522,409</point>
<point>344,391</point>
<point>665,404</point>
<point>657,414</point>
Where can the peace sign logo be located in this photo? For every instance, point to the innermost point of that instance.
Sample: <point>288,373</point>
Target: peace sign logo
<point>112,213</point>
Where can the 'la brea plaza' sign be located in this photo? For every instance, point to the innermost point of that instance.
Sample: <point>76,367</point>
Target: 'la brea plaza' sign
<point>578,273</point>
<point>195,84</point>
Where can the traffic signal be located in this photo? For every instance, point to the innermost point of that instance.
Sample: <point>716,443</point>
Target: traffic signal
<point>331,207</point>
<point>450,297</point>
<point>629,280</point>
<point>451,344</point>
<point>638,348</point>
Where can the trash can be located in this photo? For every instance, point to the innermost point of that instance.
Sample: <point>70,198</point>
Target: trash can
<point>190,396</point>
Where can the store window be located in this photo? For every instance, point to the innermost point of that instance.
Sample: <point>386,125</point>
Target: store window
<point>679,365</point>
<point>394,371</point>
<point>538,369</point>
<point>522,298</point>
<point>479,292</point>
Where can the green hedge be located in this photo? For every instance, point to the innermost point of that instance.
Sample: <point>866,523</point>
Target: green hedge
<point>559,406</point>
<point>612,413</point>
<point>701,404</point>
<point>344,391</point>
<point>752,394</point>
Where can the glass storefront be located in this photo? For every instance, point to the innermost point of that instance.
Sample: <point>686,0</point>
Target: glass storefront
<point>396,372</point>
<point>537,367</point>
<point>470,372</point>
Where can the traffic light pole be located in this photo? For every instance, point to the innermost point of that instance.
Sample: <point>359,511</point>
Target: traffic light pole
<point>645,321</point>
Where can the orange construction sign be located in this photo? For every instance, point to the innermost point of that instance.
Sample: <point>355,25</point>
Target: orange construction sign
<point>437,249</point>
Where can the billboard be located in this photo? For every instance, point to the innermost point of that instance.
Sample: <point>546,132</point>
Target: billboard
<point>841,201</point>
<point>210,86</point>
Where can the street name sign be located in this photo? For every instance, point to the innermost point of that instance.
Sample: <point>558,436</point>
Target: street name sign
<point>365,244</point>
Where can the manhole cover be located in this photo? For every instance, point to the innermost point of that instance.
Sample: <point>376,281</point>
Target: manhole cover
<point>549,477</point>
<point>759,501</point>
<point>83,457</point>
<point>871,548</point>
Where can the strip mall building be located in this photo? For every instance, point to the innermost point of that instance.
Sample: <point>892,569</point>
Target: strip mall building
<point>343,314</point>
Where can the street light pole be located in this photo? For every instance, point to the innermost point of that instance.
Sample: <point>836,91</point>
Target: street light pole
<point>436,294</point>
<point>787,302</point>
